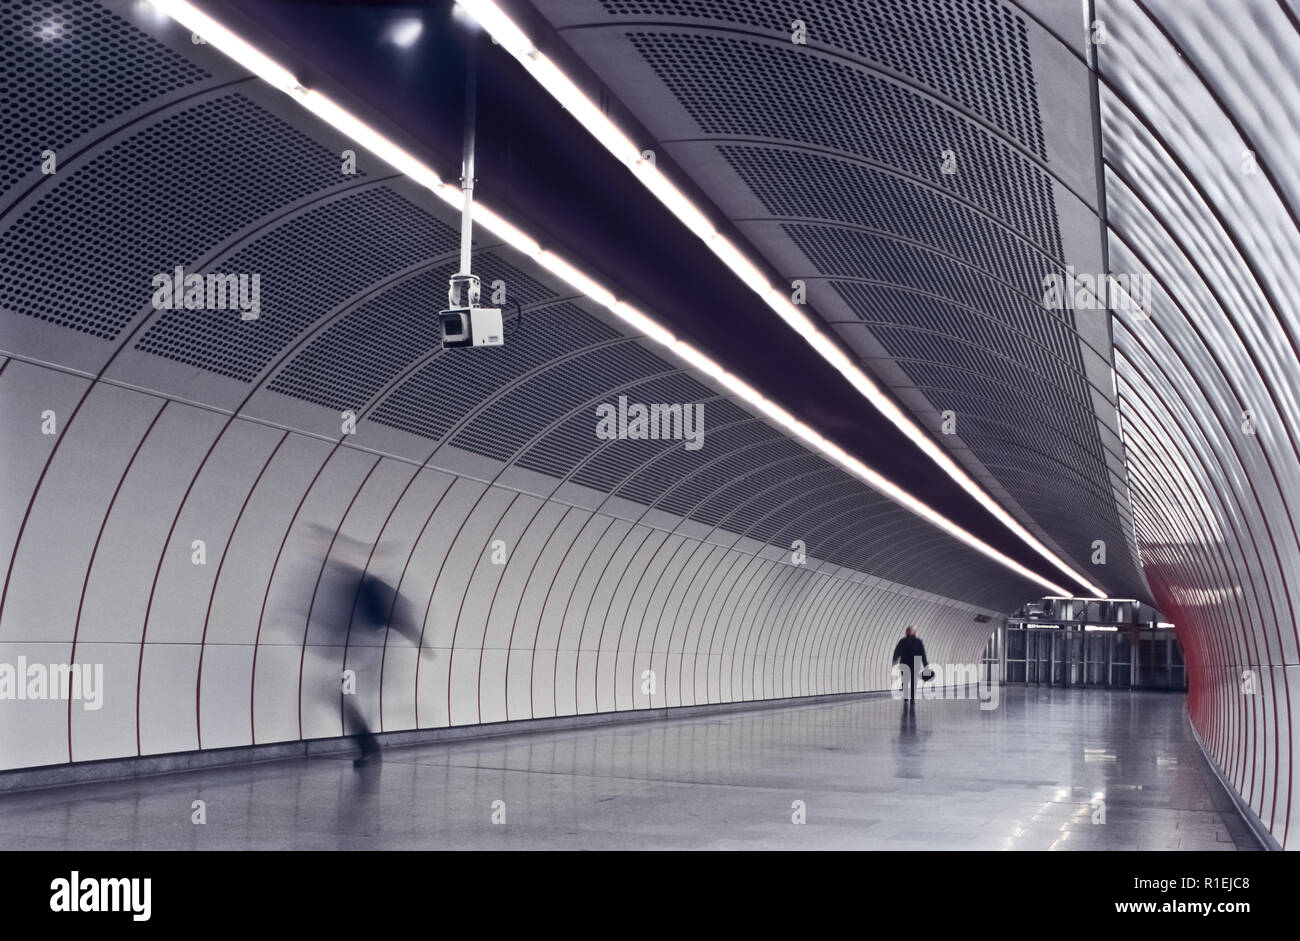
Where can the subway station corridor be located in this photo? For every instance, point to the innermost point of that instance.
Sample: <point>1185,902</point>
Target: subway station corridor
<point>535,426</point>
<point>873,775</point>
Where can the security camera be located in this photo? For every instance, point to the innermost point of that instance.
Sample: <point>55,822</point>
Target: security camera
<point>471,326</point>
<point>464,323</point>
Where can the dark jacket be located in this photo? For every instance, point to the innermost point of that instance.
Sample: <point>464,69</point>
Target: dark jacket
<point>908,649</point>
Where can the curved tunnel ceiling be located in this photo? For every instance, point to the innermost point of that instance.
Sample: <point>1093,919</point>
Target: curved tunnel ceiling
<point>922,176</point>
<point>182,486</point>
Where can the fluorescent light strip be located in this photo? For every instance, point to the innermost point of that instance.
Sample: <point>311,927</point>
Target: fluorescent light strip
<point>353,127</point>
<point>514,40</point>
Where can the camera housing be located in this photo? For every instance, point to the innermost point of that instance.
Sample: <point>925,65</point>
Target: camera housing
<point>471,326</point>
<point>464,323</point>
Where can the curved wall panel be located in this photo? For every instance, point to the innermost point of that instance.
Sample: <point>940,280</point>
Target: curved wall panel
<point>1202,195</point>
<point>185,507</point>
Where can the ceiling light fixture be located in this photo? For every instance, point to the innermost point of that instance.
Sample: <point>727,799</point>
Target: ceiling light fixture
<point>344,121</point>
<point>405,32</point>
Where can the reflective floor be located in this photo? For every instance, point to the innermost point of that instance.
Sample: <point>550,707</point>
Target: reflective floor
<point>1034,773</point>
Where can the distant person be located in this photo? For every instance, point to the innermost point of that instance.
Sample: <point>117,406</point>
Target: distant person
<point>907,652</point>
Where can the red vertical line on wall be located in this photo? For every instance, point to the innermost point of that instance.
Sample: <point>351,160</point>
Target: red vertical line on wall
<point>1244,619</point>
<point>451,652</point>
<point>311,606</point>
<point>49,459</point>
<point>1238,713</point>
<point>1266,291</point>
<point>90,563</point>
<point>755,611</point>
<point>706,596</point>
<point>356,597</point>
<point>721,596</point>
<point>564,618</point>
<point>212,594</point>
<point>711,559</point>
<point>261,617</point>
<point>809,603</point>
<point>665,536</point>
<point>162,555</point>
<point>397,593</point>
<point>753,567</point>
<point>532,668</point>
<point>523,593</point>
<point>1135,413</point>
<point>478,686</point>
<point>600,639</point>
<point>1219,728</point>
<point>796,587</point>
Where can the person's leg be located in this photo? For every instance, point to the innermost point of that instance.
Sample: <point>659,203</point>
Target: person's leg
<point>909,679</point>
<point>365,738</point>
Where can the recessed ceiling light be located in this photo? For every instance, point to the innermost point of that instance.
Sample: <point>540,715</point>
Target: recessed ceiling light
<point>404,32</point>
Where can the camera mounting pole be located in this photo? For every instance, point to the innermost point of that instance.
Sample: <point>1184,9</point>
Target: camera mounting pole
<point>469,281</point>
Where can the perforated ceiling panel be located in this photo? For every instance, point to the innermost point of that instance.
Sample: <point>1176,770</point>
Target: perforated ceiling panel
<point>355,357</point>
<point>516,417</point>
<point>739,88</point>
<point>309,264</point>
<point>944,44</point>
<point>455,382</point>
<point>48,98</point>
<point>896,157</point>
<point>84,254</point>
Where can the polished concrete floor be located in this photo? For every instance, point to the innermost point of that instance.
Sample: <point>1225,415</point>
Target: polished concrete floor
<point>1032,774</point>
